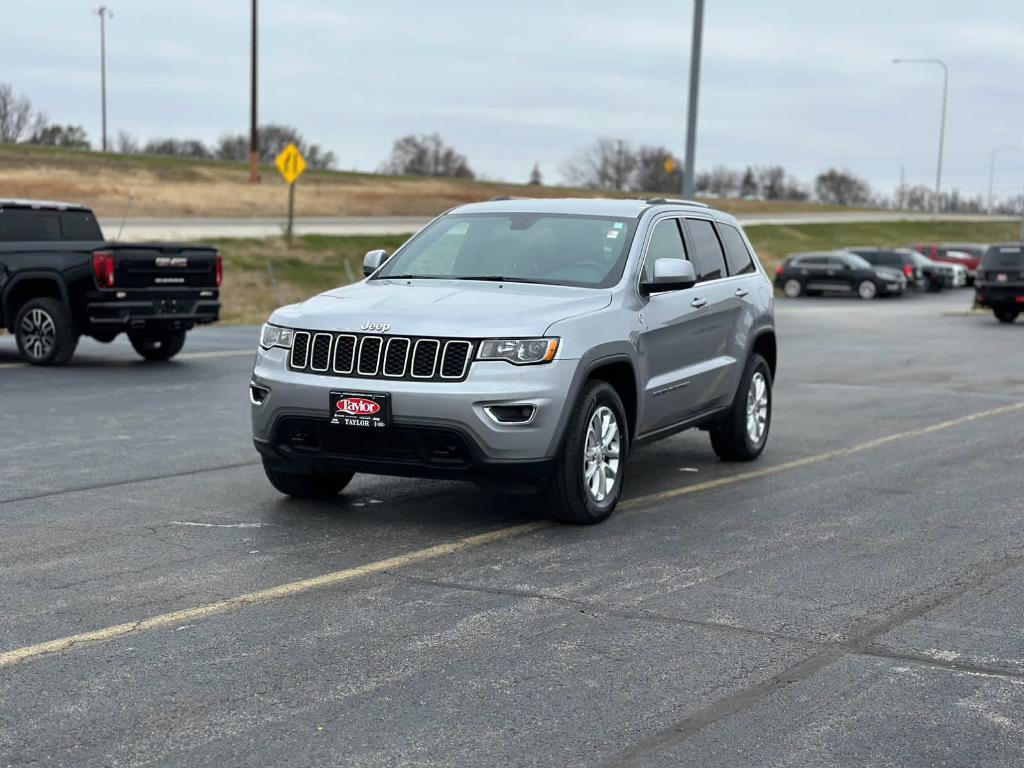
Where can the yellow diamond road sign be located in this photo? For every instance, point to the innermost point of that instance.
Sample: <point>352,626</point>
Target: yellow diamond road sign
<point>670,164</point>
<point>290,163</point>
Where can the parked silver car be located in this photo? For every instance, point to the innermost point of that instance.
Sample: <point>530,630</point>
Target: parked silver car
<point>537,339</point>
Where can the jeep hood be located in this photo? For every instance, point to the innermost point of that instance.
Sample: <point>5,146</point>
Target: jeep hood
<point>443,308</point>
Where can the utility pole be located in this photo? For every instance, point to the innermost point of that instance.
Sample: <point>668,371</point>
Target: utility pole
<point>901,195</point>
<point>104,13</point>
<point>942,120</point>
<point>254,141</point>
<point>689,180</point>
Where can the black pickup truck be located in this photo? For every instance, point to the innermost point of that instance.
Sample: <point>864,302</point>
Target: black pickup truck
<point>60,279</point>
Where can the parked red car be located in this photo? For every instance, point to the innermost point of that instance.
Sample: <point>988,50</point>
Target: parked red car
<point>967,255</point>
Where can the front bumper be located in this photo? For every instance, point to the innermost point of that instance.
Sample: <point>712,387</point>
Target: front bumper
<point>420,411</point>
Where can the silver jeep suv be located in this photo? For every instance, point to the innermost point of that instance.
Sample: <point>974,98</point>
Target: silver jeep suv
<point>540,339</point>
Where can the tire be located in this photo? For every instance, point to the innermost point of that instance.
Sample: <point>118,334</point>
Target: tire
<point>1005,315</point>
<point>867,289</point>
<point>45,332</point>
<point>792,288</point>
<point>568,494</point>
<point>157,345</point>
<point>306,486</point>
<point>735,438</point>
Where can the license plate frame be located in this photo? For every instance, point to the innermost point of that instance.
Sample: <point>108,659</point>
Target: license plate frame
<point>353,410</point>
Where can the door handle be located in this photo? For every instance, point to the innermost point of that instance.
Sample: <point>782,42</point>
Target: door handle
<point>698,302</point>
<point>741,292</point>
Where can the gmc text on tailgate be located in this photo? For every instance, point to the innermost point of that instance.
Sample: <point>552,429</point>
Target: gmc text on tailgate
<point>59,279</point>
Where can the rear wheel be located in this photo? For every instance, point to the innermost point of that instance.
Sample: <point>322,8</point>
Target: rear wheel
<point>1005,315</point>
<point>587,479</point>
<point>157,345</point>
<point>867,289</point>
<point>45,332</point>
<point>744,432</point>
<point>306,486</point>
<point>792,288</point>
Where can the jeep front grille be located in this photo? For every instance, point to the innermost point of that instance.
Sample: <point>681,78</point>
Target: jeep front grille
<point>370,356</point>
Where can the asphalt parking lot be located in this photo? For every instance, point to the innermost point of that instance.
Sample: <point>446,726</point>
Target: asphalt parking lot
<point>853,598</point>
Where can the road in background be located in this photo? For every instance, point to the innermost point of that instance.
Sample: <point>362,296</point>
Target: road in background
<point>202,228</point>
<point>860,609</point>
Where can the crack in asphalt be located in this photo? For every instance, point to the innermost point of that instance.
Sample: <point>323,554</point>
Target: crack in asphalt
<point>830,652</point>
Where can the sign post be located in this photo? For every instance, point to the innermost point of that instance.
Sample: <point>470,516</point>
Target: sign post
<point>291,164</point>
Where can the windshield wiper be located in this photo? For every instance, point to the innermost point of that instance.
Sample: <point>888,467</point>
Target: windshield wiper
<point>494,278</point>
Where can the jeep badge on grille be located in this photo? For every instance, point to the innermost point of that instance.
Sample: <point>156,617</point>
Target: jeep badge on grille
<point>379,327</point>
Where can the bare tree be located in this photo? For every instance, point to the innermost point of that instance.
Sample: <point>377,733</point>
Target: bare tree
<point>607,164</point>
<point>748,185</point>
<point>652,172</point>
<point>719,181</point>
<point>59,136</point>
<point>426,155</point>
<point>15,115</point>
<point>126,144</point>
<point>841,188</point>
<point>177,148</point>
<point>535,175</point>
<point>273,139</point>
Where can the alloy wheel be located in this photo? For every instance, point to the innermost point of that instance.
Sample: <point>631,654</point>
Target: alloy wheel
<point>601,454</point>
<point>757,408</point>
<point>38,333</point>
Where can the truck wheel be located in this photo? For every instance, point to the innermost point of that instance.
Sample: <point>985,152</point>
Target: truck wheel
<point>589,470</point>
<point>45,332</point>
<point>1005,315</point>
<point>157,345</point>
<point>306,486</point>
<point>743,434</point>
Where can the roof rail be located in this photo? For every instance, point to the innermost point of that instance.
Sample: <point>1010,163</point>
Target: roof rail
<point>676,201</point>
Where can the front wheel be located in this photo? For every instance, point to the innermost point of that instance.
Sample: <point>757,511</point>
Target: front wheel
<point>587,480</point>
<point>157,345</point>
<point>867,289</point>
<point>306,486</point>
<point>744,432</point>
<point>1005,315</point>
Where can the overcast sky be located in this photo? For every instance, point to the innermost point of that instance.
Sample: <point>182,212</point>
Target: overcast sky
<point>805,84</point>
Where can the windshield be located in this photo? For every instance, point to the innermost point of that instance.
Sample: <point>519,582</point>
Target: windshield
<point>553,249</point>
<point>1004,257</point>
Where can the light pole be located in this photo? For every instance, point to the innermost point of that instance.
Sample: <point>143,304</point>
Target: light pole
<point>254,143</point>
<point>689,182</point>
<point>992,172</point>
<point>104,13</point>
<point>942,120</point>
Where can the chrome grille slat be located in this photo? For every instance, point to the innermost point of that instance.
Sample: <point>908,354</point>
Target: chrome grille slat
<point>300,350</point>
<point>344,353</point>
<point>375,356</point>
<point>396,346</point>
<point>420,356</point>
<point>452,365</point>
<point>371,347</point>
<point>320,352</point>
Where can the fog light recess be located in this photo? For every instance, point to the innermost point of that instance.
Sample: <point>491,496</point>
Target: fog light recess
<point>511,413</point>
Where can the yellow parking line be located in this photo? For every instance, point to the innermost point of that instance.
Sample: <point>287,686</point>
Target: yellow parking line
<point>441,550</point>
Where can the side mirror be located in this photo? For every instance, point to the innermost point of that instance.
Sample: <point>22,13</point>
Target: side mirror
<point>670,275</point>
<point>372,261</point>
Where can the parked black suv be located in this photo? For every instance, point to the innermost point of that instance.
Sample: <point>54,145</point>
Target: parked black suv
<point>59,279</point>
<point>837,272</point>
<point>999,284</point>
<point>921,272</point>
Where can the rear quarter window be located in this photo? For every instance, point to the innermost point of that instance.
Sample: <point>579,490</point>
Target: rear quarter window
<point>737,257</point>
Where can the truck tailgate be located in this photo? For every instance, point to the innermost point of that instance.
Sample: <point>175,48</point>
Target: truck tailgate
<point>158,266</point>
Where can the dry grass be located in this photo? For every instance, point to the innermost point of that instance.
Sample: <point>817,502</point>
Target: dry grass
<point>160,186</point>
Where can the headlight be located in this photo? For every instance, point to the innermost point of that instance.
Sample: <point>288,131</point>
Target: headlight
<point>275,336</point>
<point>518,351</point>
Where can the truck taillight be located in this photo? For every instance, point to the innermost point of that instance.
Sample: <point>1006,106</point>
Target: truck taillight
<point>220,270</point>
<point>103,268</point>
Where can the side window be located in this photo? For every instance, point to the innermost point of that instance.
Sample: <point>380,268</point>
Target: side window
<point>708,259</point>
<point>736,254</point>
<point>666,243</point>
